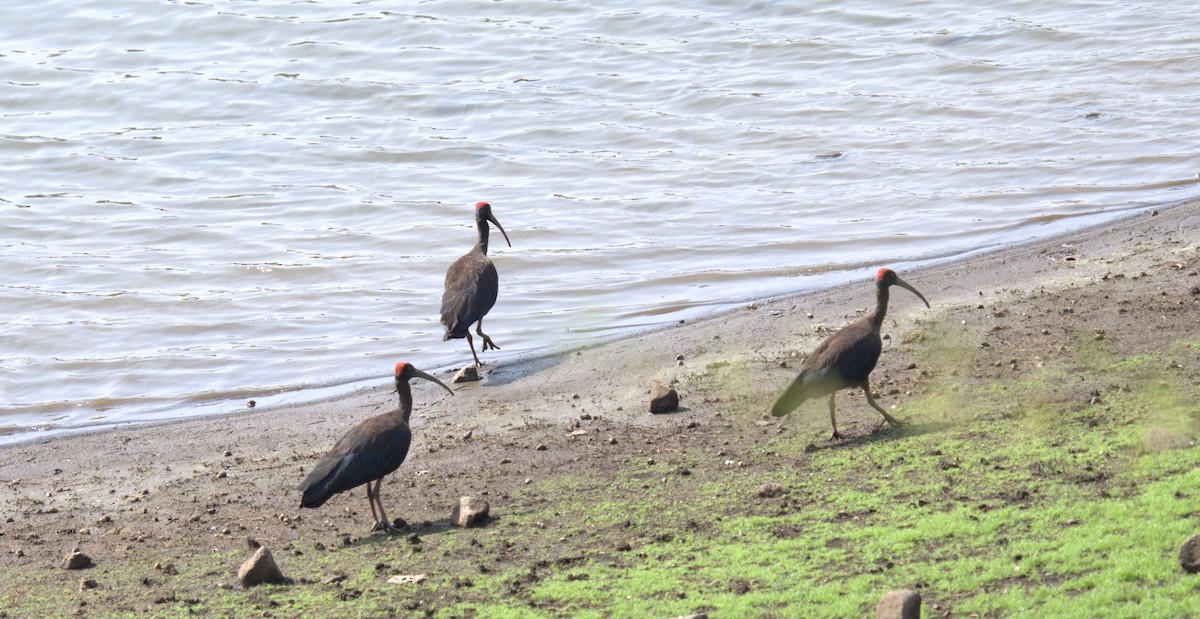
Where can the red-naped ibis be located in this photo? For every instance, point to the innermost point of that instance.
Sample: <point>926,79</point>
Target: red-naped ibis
<point>472,285</point>
<point>846,358</point>
<point>367,453</point>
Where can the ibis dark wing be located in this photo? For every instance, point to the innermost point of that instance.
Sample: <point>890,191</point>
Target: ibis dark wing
<point>844,357</point>
<point>471,288</point>
<point>854,351</point>
<point>370,450</point>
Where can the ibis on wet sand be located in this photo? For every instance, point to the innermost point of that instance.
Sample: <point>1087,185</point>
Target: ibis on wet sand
<point>846,358</point>
<point>367,453</point>
<point>471,286</point>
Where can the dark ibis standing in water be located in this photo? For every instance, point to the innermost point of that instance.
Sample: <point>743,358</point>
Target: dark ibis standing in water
<point>846,358</point>
<point>367,453</point>
<point>472,285</point>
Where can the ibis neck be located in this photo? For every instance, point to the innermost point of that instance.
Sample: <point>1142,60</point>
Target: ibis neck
<point>406,401</point>
<point>881,303</point>
<point>482,224</point>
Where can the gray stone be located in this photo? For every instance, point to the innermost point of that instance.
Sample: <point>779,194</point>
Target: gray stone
<point>905,604</point>
<point>771,490</point>
<point>468,374</point>
<point>695,616</point>
<point>260,569</point>
<point>1189,555</point>
<point>469,511</point>
<point>87,583</point>
<point>663,399</point>
<point>76,560</point>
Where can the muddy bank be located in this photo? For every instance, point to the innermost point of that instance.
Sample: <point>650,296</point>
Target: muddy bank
<point>185,496</point>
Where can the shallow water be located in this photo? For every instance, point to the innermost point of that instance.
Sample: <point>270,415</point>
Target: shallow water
<point>206,202</point>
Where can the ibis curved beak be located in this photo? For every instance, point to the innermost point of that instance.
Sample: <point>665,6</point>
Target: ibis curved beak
<point>907,286</point>
<point>420,374</point>
<point>492,218</point>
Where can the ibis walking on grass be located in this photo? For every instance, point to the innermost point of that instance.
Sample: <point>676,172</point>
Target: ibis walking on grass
<point>846,358</point>
<point>367,453</point>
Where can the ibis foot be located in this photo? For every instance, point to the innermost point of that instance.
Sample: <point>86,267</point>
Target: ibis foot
<point>386,527</point>
<point>488,344</point>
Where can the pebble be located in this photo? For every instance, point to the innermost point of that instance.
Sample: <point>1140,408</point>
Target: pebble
<point>469,511</point>
<point>407,579</point>
<point>905,604</point>
<point>76,560</point>
<point>1189,555</point>
<point>468,374</point>
<point>260,568</point>
<point>663,399</point>
<point>771,490</point>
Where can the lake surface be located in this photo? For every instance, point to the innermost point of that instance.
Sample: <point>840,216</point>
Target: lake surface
<point>207,202</point>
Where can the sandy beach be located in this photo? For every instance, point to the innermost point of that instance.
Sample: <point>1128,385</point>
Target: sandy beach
<point>192,492</point>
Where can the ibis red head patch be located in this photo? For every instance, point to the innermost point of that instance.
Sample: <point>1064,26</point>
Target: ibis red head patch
<point>882,273</point>
<point>400,367</point>
<point>479,205</point>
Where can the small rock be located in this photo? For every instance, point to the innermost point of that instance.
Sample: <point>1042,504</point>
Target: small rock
<point>540,447</point>
<point>405,579</point>
<point>695,616</point>
<point>771,490</point>
<point>904,604</point>
<point>333,578</point>
<point>87,583</point>
<point>468,374</point>
<point>469,511</point>
<point>663,399</point>
<point>260,569</point>
<point>1189,555</point>
<point>76,560</point>
<point>251,404</point>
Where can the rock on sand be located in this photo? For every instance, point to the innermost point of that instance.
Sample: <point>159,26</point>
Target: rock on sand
<point>663,399</point>
<point>469,511</point>
<point>260,569</point>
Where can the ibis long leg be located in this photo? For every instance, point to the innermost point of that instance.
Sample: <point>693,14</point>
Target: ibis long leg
<point>833,419</point>
<point>866,385</point>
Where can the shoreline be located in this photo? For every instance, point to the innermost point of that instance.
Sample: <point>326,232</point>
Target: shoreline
<point>191,491</point>
<point>505,384</point>
<point>532,362</point>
